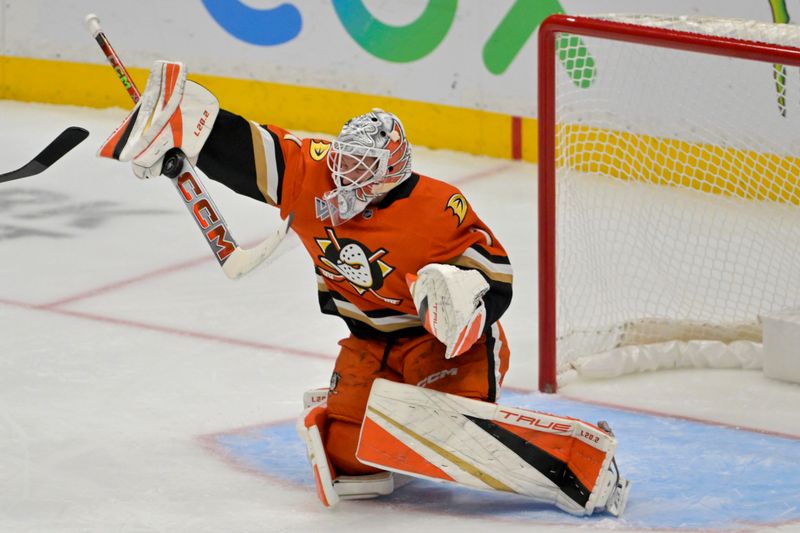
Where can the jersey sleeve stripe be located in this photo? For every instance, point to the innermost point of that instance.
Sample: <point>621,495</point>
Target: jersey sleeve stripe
<point>495,271</point>
<point>494,258</point>
<point>260,162</point>
<point>266,159</point>
<point>494,345</point>
<point>279,165</point>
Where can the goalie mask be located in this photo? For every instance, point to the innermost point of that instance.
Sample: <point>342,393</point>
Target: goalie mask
<point>368,158</point>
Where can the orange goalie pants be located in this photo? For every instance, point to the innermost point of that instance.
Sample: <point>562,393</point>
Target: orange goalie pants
<point>420,361</point>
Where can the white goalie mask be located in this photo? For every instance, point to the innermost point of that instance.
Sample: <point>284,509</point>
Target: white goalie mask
<point>368,158</point>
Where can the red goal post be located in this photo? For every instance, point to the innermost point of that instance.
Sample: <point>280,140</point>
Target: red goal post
<point>626,30</point>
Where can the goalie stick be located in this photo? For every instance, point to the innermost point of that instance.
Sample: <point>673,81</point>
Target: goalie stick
<point>234,260</point>
<point>66,141</point>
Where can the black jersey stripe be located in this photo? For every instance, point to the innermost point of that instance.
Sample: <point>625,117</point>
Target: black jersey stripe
<point>227,156</point>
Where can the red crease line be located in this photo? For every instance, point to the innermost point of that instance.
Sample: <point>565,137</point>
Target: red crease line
<point>687,418</point>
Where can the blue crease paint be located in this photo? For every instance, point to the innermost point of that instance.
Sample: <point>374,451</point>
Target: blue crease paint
<point>685,474</point>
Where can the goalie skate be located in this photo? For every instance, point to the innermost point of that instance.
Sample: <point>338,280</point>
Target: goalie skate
<point>613,489</point>
<point>364,487</point>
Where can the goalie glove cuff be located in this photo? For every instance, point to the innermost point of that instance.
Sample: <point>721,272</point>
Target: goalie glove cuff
<point>450,305</point>
<point>469,333</point>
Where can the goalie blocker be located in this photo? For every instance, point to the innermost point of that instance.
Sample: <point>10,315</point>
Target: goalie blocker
<point>433,435</point>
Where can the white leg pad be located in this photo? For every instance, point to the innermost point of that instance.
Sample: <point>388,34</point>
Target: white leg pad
<point>315,397</point>
<point>310,426</point>
<point>442,437</point>
<point>331,488</point>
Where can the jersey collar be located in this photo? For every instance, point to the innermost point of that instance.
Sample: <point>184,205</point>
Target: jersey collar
<point>401,191</point>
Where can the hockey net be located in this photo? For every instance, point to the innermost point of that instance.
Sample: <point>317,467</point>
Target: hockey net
<point>669,205</point>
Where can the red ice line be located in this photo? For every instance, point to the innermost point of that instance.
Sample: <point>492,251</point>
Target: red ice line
<point>55,306</point>
<point>123,283</point>
<point>679,417</point>
<point>164,329</point>
<point>194,262</point>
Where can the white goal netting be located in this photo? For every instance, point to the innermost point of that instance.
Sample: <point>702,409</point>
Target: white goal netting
<point>677,192</point>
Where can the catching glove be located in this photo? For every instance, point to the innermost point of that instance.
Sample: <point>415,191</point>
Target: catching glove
<point>172,113</point>
<point>450,304</point>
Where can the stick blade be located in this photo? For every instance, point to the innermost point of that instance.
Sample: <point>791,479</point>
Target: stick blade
<point>244,260</point>
<point>66,141</point>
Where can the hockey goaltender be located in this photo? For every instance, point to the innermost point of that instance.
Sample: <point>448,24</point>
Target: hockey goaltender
<point>421,283</point>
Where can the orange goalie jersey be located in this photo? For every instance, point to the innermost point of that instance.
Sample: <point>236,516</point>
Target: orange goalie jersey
<point>362,264</point>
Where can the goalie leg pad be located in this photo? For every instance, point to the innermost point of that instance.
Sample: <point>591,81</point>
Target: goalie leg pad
<point>438,436</point>
<point>172,113</point>
<point>310,427</point>
<point>315,397</point>
<point>332,488</point>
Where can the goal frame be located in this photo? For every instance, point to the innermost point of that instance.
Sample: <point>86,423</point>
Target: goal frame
<point>617,31</point>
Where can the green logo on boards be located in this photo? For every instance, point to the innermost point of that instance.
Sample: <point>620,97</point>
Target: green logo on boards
<point>418,39</point>
<point>398,44</point>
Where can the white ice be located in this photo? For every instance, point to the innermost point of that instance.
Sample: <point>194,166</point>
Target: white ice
<point>123,344</point>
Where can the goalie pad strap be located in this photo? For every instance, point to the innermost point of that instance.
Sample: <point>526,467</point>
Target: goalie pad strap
<point>364,487</point>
